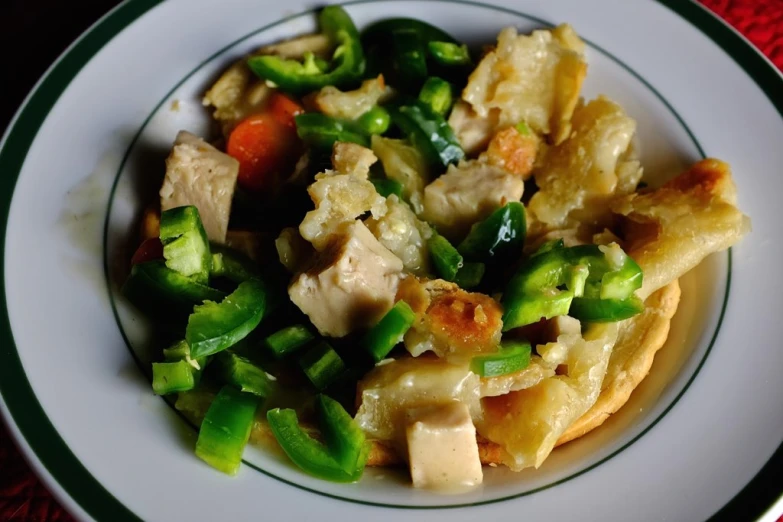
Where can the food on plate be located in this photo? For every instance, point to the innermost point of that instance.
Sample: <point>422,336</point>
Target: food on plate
<point>398,251</point>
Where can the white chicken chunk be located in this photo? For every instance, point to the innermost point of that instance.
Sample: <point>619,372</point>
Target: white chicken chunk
<point>442,448</point>
<point>404,234</point>
<point>468,193</point>
<point>341,196</point>
<point>535,79</point>
<point>352,284</point>
<point>199,174</point>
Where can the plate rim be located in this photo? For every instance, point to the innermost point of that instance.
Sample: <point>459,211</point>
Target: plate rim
<point>33,432</point>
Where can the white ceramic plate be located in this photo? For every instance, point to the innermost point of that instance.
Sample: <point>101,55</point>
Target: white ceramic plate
<point>86,149</point>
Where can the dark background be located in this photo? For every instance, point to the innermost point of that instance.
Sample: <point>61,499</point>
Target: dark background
<point>32,36</point>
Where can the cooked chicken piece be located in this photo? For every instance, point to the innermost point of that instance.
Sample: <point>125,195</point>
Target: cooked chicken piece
<point>352,284</point>
<point>451,322</point>
<point>403,163</point>
<point>237,94</point>
<point>580,176</point>
<point>341,196</point>
<point>199,174</point>
<point>473,131</point>
<point>351,104</point>
<point>672,229</point>
<point>390,389</point>
<point>512,151</point>
<point>404,234</point>
<point>442,448</point>
<point>292,250</point>
<point>468,193</point>
<point>535,79</point>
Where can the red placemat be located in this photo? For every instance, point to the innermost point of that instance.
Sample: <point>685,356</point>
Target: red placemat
<point>24,499</point>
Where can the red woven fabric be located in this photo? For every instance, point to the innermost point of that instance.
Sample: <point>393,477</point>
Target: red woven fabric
<point>24,499</point>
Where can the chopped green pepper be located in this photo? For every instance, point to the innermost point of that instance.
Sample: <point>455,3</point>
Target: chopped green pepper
<point>429,133</point>
<point>225,429</point>
<point>288,340</point>
<point>232,264</point>
<point>436,94</point>
<point>409,58</point>
<point>172,377</point>
<point>605,310</point>
<point>163,293</point>
<point>344,438</point>
<point>501,234</point>
<point>380,31</point>
<point>523,129</point>
<point>511,357</point>
<point>322,131</point>
<point>470,275</point>
<point>213,327</point>
<point>534,292</point>
<point>445,257</point>
<point>322,365</point>
<point>386,187</point>
<point>449,53</point>
<point>185,243</point>
<point>301,77</point>
<point>240,372</point>
<point>307,453</point>
<point>374,121</point>
<point>385,335</point>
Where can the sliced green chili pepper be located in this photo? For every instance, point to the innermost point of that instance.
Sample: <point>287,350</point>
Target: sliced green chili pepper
<point>429,133</point>
<point>225,429</point>
<point>163,293</point>
<point>213,327</point>
<point>172,377</point>
<point>449,53</point>
<point>436,94</point>
<point>388,333</point>
<point>511,357</point>
<point>310,455</point>
<point>386,187</point>
<point>178,351</point>
<point>605,310</point>
<point>322,365</point>
<point>470,275</point>
<point>375,121</point>
<point>185,243</point>
<point>344,438</point>
<point>240,372</point>
<point>622,283</point>
<point>231,264</point>
<point>445,257</point>
<point>409,58</point>
<point>288,340</point>
<point>301,77</point>
<point>322,131</point>
<point>534,291</point>
<point>500,235</point>
<point>379,31</point>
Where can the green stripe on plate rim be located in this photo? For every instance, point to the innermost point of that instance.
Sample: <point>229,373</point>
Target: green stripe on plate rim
<point>24,408</point>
